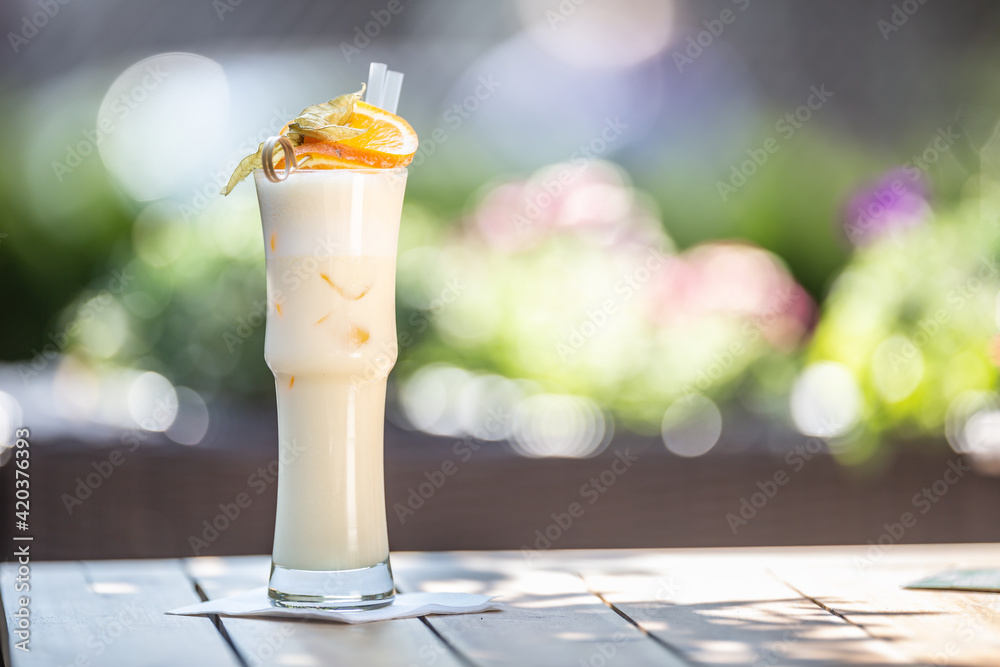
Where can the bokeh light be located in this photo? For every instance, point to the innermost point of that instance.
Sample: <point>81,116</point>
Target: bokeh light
<point>430,396</point>
<point>152,402</point>
<point>982,433</point>
<point>897,368</point>
<point>78,391</point>
<point>691,426</point>
<point>968,419</point>
<point>156,121</point>
<point>102,325</point>
<point>192,420</point>
<point>826,401</point>
<point>600,34</point>
<point>485,405</point>
<point>11,418</point>
<point>551,425</point>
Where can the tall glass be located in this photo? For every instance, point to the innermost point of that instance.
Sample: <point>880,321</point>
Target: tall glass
<point>330,244</point>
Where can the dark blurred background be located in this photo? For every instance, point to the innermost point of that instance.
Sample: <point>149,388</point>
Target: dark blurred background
<point>739,239</point>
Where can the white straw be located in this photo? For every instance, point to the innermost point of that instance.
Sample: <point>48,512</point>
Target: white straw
<point>390,91</point>
<point>376,80</point>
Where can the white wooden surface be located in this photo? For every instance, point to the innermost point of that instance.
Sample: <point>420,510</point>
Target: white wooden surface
<point>776,606</point>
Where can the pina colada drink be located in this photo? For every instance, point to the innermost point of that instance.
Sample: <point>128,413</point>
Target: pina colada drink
<point>330,232</point>
<point>331,340</point>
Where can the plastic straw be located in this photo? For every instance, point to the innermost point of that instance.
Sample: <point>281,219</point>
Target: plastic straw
<point>383,87</point>
<point>376,80</point>
<point>390,91</point>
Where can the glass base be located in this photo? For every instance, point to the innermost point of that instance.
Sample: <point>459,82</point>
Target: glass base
<point>343,590</point>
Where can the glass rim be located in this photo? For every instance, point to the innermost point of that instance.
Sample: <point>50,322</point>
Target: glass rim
<point>352,170</point>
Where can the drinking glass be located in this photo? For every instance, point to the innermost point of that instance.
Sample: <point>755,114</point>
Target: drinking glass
<point>330,245</point>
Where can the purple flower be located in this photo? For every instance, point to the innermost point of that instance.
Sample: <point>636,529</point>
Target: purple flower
<point>896,202</point>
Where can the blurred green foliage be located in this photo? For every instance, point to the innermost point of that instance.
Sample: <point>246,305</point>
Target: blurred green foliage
<point>191,306</point>
<point>914,319</point>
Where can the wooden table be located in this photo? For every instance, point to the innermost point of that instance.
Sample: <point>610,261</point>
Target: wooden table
<point>761,607</point>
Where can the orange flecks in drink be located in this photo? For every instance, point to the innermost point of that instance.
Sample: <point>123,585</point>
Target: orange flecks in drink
<point>274,239</point>
<point>341,291</point>
<point>358,336</point>
<point>277,307</point>
<point>323,319</point>
<point>291,383</point>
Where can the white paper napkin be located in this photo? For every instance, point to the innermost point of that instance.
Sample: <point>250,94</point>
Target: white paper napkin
<point>406,605</point>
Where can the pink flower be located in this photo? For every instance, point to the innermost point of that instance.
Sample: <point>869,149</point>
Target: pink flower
<point>736,280</point>
<point>593,199</point>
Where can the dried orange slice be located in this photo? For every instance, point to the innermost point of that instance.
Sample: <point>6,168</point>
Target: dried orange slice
<point>388,141</point>
<point>344,133</point>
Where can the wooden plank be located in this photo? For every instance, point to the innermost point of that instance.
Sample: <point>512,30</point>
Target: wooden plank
<point>112,613</point>
<point>551,618</point>
<point>719,606</point>
<point>931,627</point>
<point>728,613</point>
<point>622,560</point>
<point>937,627</point>
<point>266,642</point>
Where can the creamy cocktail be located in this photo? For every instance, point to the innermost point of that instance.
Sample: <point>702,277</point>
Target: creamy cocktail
<point>330,243</point>
<point>330,232</point>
